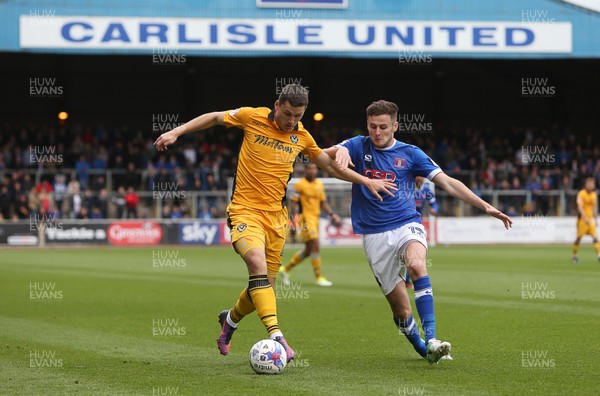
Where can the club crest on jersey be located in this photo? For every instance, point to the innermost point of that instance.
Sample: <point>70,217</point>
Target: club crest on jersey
<point>368,158</point>
<point>241,227</point>
<point>399,163</point>
<point>294,138</point>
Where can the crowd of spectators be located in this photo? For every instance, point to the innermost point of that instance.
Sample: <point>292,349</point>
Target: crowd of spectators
<point>70,179</point>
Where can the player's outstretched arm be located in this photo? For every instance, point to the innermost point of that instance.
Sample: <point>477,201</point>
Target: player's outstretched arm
<point>458,190</point>
<point>325,162</point>
<point>199,123</point>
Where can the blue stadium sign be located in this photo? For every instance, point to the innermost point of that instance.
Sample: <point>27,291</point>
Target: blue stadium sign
<point>314,36</point>
<point>336,28</point>
<point>302,3</point>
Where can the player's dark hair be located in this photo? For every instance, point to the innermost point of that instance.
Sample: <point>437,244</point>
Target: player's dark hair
<point>295,94</point>
<point>381,107</point>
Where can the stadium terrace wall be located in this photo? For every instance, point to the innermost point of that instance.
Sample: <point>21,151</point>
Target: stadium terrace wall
<point>121,233</point>
<point>351,28</point>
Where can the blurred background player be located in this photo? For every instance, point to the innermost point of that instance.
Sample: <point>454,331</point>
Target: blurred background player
<point>587,214</point>
<point>257,216</point>
<point>308,200</point>
<point>394,239</point>
<point>423,194</point>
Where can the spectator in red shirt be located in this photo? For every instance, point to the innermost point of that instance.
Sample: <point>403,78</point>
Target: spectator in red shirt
<point>131,203</point>
<point>44,187</point>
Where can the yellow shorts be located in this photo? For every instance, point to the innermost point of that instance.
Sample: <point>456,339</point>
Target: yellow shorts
<point>309,227</point>
<point>584,228</point>
<point>251,228</point>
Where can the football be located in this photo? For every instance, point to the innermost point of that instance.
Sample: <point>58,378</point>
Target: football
<point>268,357</point>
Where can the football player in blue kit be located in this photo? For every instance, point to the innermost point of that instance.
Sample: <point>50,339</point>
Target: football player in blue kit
<point>394,239</point>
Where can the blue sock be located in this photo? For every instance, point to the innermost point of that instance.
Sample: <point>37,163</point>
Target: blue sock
<point>424,303</point>
<point>410,329</point>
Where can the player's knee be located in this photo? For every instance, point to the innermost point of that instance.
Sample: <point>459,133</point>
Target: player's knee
<point>256,262</point>
<point>314,247</point>
<point>402,313</point>
<point>417,268</point>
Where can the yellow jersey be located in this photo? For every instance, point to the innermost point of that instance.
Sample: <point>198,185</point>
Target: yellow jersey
<point>588,200</point>
<point>266,157</point>
<point>309,195</point>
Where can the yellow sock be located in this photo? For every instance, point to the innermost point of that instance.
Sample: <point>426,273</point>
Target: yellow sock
<point>575,248</point>
<point>597,247</point>
<point>263,296</point>
<point>243,306</point>
<point>315,259</point>
<point>296,259</point>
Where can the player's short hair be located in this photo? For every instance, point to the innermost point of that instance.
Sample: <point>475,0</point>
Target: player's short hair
<point>381,107</point>
<point>295,94</point>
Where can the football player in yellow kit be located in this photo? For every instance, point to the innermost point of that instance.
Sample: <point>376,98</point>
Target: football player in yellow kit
<point>587,213</point>
<point>308,200</point>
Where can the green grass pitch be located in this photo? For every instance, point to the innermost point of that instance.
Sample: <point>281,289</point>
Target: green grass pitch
<point>107,321</point>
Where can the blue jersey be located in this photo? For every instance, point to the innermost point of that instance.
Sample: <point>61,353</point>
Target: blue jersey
<point>399,163</point>
<point>423,195</point>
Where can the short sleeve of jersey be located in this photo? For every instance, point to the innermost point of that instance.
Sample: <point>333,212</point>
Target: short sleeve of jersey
<point>311,150</point>
<point>423,165</point>
<point>353,145</point>
<point>238,117</point>
<point>580,197</point>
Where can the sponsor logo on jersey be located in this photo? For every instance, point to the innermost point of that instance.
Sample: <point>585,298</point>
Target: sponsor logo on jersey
<point>368,158</point>
<point>275,144</point>
<point>234,112</point>
<point>378,174</point>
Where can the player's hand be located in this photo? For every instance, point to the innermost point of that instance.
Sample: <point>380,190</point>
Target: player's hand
<point>499,215</point>
<point>342,158</point>
<point>336,220</point>
<point>166,139</point>
<point>376,185</point>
